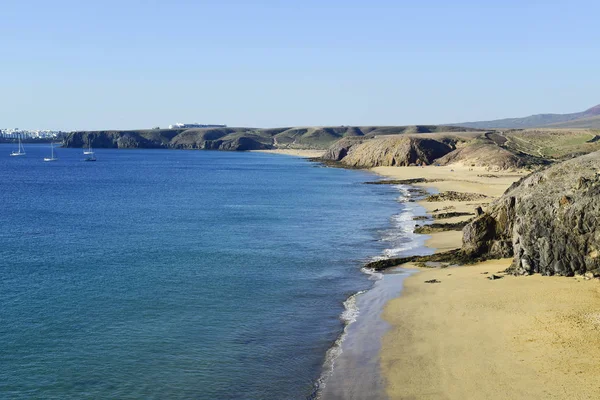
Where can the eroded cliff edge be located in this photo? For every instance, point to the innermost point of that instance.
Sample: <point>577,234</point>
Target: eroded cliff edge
<point>548,221</point>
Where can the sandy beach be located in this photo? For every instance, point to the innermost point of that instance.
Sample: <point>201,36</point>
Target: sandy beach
<point>469,337</point>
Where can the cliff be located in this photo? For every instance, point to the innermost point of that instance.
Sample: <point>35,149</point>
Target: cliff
<point>548,221</point>
<point>388,151</point>
<point>210,139</point>
<point>319,138</point>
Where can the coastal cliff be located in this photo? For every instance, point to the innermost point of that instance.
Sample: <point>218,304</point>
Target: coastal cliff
<point>387,151</point>
<point>240,139</point>
<point>209,139</point>
<point>548,221</point>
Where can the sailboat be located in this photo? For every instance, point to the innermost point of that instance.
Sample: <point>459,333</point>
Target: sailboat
<point>89,149</point>
<point>89,152</point>
<point>52,158</point>
<point>20,151</point>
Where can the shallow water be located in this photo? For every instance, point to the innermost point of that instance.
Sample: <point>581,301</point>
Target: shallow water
<point>178,274</point>
<point>355,371</point>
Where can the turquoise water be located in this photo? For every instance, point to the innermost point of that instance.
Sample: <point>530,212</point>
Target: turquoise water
<point>178,274</point>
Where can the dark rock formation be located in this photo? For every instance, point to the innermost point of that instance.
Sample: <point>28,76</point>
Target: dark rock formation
<point>451,257</point>
<point>455,196</point>
<point>440,227</point>
<point>548,221</point>
<point>340,149</point>
<point>452,214</point>
<point>242,144</point>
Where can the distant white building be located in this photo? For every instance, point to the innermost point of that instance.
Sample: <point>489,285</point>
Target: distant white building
<point>27,134</point>
<point>180,125</point>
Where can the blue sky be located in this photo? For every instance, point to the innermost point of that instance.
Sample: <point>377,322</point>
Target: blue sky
<point>137,64</point>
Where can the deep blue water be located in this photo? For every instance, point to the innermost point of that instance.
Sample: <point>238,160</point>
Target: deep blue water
<point>177,274</point>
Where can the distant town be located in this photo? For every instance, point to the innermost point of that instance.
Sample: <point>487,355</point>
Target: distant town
<point>44,134</point>
<point>29,134</point>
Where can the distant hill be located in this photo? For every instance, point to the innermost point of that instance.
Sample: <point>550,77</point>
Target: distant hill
<point>586,119</point>
<point>241,138</point>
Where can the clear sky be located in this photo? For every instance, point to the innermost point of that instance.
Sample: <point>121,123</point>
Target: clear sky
<point>137,64</point>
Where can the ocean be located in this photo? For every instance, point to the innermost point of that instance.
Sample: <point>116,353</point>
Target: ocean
<point>185,274</point>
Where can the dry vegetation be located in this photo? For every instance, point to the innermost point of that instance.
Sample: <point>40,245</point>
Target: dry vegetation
<point>553,143</point>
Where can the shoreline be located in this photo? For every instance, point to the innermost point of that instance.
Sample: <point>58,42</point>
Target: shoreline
<point>292,152</point>
<point>348,365</point>
<point>352,369</point>
<point>470,337</point>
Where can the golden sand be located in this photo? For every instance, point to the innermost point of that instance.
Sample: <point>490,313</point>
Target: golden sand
<point>469,337</point>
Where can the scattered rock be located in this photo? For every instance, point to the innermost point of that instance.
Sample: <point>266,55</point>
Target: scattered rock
<point>591,275</point>
<point>433,281</point>
<point>452,257</point>
<point>440,227</point>
<point>451,215</point>
<point>455,196</point>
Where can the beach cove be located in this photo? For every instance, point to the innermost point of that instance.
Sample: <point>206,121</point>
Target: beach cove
<point>470,337</point>
<point>179,274</point>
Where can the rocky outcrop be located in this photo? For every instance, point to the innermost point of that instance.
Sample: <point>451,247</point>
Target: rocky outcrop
<point>239,144</point>
<point>548,221</point>
<point>340,149</point>
<point>389,151</point>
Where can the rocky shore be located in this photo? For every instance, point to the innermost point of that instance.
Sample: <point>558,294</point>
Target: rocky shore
<point>460,326</point>
<point>548,221</point>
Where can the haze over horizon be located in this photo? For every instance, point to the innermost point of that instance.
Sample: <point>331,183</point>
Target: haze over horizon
<point>137,64</point>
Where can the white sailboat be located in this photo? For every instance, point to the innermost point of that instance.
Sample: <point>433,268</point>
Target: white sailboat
<point>20,151</point>
<point>52,158</point>
<point>89,150</point>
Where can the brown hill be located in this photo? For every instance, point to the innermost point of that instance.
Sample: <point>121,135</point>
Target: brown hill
<point>583,119</point>
<point>395,151</point>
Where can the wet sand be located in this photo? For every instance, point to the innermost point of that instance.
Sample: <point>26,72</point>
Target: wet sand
<point>351,370</point>
<point>469,337</point>
<point>355,373</point>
